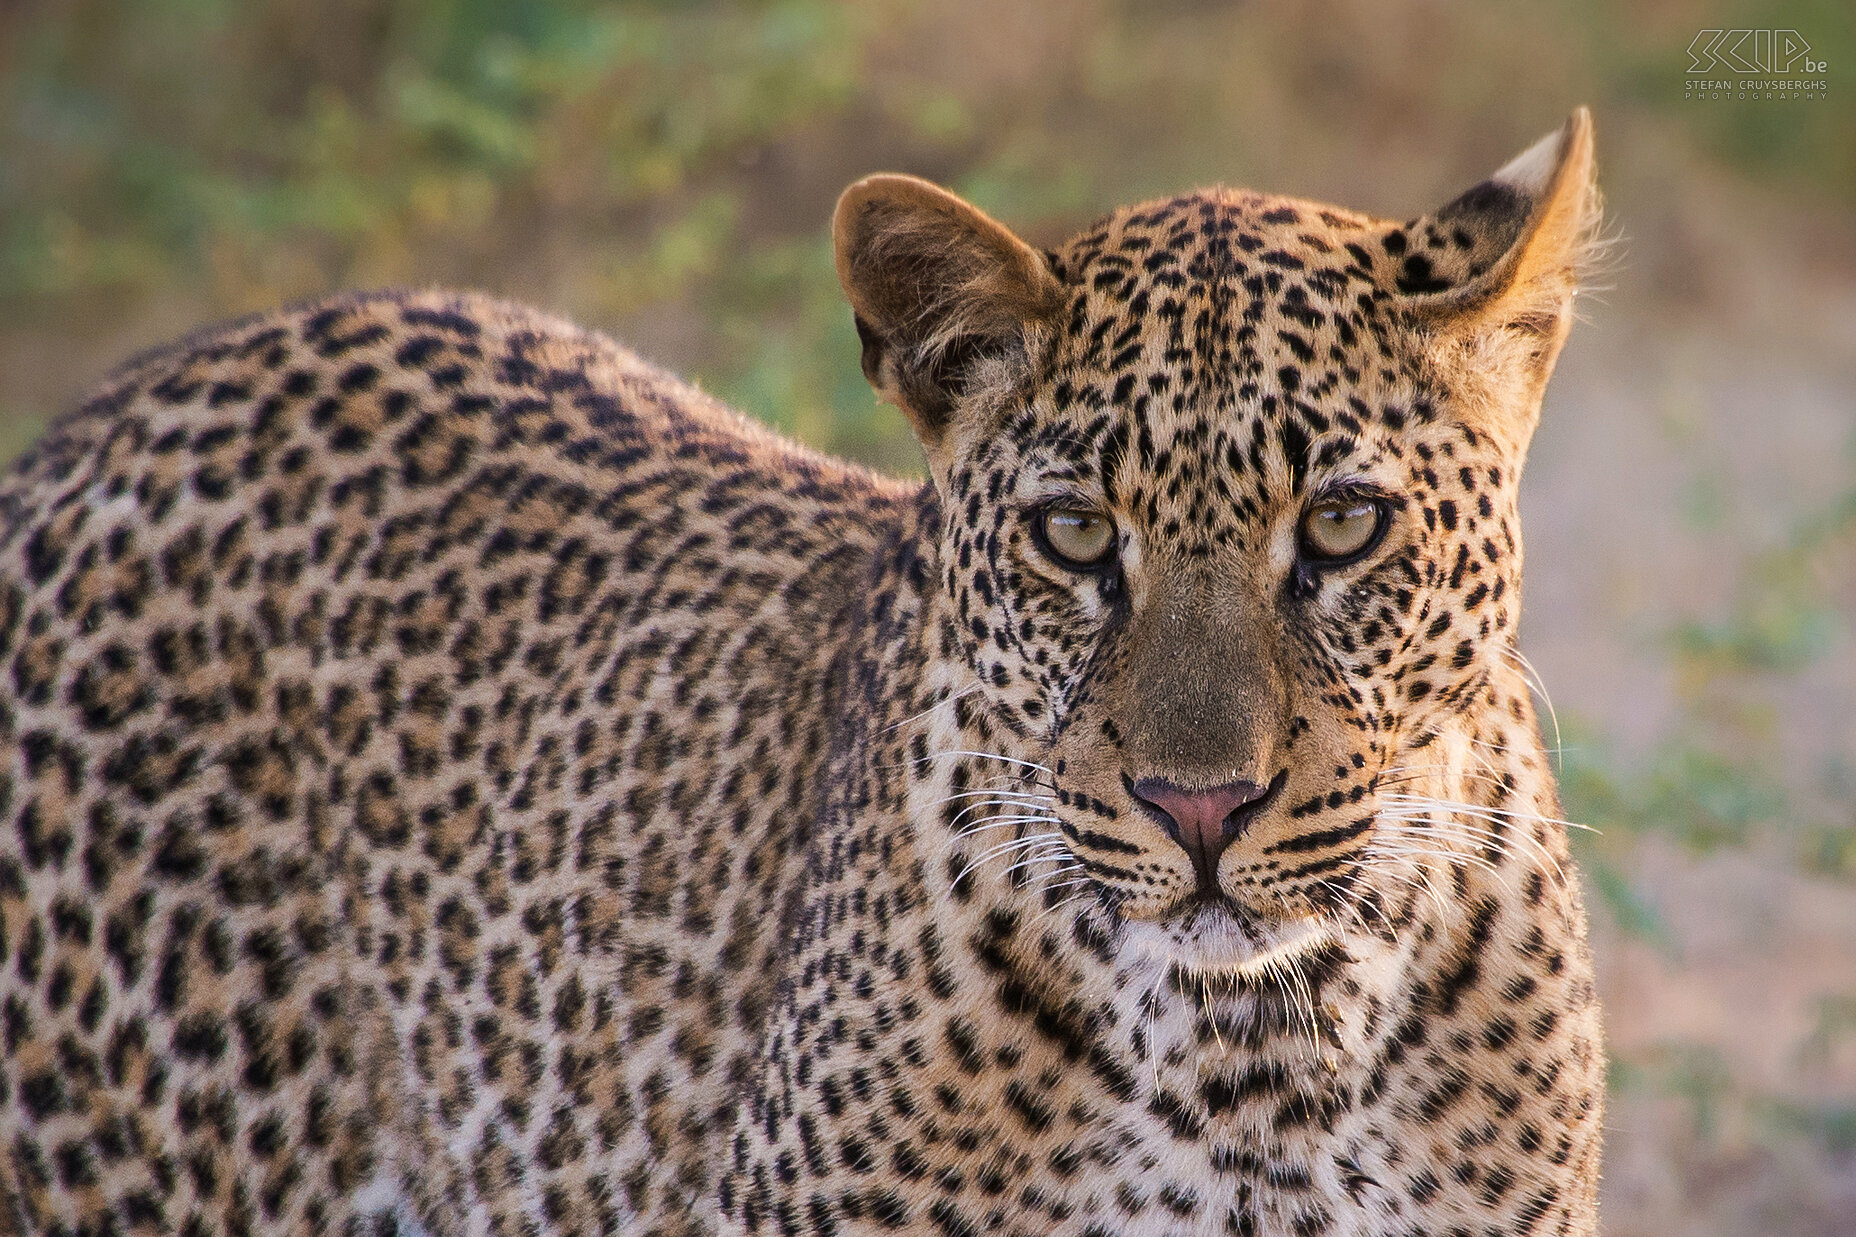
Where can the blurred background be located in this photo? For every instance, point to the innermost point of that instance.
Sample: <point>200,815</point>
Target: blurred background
<point>664,171</point>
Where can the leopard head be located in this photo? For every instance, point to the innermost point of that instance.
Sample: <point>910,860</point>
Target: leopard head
<point>1228,492</point>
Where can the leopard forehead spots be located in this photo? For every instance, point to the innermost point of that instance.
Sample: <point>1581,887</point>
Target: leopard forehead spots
<point>456,778</point>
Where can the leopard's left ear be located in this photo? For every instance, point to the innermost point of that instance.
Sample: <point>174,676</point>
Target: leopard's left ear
<point>945,299</point>
<point>1495,271</point>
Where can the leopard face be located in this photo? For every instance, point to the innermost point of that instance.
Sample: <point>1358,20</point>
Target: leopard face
<point>1230,530</point>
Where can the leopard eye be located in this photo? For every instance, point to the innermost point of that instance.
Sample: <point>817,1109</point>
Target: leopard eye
<point>1076,538</point>
<point>1341,528</point>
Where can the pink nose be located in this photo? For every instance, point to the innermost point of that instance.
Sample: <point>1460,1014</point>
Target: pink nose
<point>1203,822</point>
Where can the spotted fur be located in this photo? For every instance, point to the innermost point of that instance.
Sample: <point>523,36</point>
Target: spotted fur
<point>458,779</point>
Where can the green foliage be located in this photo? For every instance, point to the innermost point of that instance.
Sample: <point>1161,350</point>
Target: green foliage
<point>1784,617</point>
<point>1704,798</point>
<point>157,141</point>
<point>1718,1105</point>
<point>799,364</point>
<point>1710,781</point>
<point>1634,913</point>
<point>670,157</point>
<point>17,430</point>
<point>1640,52</point>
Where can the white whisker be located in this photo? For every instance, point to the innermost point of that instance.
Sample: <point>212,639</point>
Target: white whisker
<point>1450,805</point>
<point>1000,794</point>
<point>1025,812</point>
<point>1006,847</point>
<point>1029,839</point>
<point>1414,876</point>
<point>1012,760</point>
<point>939,704</point>
<point>1503,840</point>
<point>1011,816</point>
<point>1537,684</point>
<point>1067,900</point>
<point>1346,901</point>
<point>1308,1003</point>
<point>1056,855</point>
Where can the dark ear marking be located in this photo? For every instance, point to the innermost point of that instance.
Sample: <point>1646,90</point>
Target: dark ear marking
<point>873,346</point>
<point>1523,237</point>
<point>928,386</point>
<point>1501,209</point>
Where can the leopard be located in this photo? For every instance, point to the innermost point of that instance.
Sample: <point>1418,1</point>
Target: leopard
<point>458,778</point>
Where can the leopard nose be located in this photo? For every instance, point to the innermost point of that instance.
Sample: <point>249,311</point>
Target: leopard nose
<point>1203,822</point>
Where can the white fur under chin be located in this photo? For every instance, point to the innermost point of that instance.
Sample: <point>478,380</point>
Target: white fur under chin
<point>1213,943</point>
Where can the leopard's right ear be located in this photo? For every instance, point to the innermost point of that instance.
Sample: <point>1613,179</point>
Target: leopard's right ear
<point>943,295</point>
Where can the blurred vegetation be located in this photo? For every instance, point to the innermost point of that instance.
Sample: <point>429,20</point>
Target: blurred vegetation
<point>232,155</point>
<point>665,166</point>
<point>1722,776</point>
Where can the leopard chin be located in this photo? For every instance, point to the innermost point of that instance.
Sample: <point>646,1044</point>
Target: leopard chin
<point>1224,939</point>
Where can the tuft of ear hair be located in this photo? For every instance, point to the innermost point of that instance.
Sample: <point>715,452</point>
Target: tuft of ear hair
<point>938,289</point>
<point>1532,232</point>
